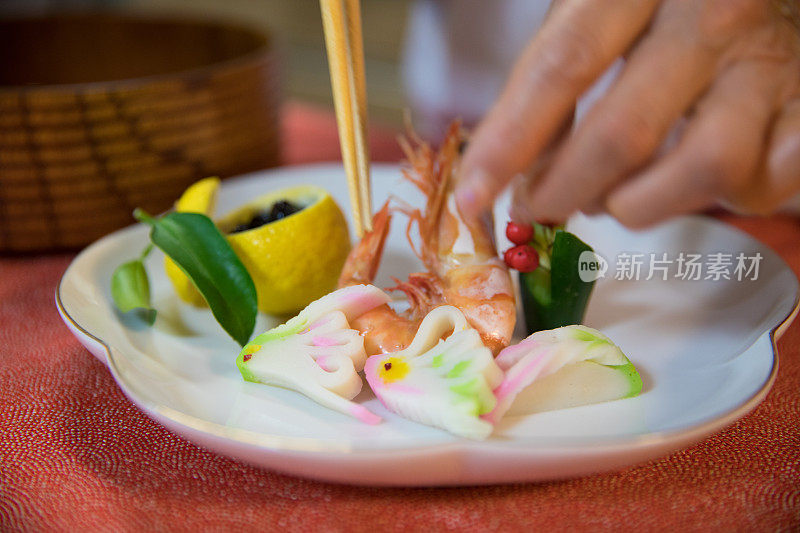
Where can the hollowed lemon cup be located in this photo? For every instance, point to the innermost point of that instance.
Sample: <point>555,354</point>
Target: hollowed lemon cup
<point>293,261</point>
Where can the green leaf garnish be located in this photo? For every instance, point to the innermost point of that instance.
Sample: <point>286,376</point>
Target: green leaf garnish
<point>554,295</point>
<point>195,244</point>
<point>130,288</point>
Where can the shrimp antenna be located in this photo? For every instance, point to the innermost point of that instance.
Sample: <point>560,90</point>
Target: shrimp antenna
<point>414,216</point>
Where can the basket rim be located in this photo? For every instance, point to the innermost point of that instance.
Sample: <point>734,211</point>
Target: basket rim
<point>264,53</point>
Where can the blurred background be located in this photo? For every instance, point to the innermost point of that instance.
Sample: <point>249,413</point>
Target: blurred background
<point>104,107</point>
<point>297,28</point>
<point>437,58</point>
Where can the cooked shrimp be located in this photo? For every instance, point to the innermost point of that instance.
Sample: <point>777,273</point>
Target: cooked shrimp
<point>460,256</point>
<point>384,329</point>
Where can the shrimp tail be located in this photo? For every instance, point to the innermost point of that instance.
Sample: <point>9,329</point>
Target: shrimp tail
<point>364,259</point>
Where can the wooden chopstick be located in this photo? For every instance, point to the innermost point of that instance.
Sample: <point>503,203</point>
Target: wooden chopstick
<point>341,21</point>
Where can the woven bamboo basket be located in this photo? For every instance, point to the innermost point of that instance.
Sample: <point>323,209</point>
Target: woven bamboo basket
<point>100,114</point>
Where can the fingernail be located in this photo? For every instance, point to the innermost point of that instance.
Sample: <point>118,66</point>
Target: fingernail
<point>467,192</point>
<point>465,199</point>
<point>548,222</point>
<point>545,209</point>
<point>520,213</point>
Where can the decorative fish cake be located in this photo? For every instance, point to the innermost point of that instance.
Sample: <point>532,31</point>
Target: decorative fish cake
<point>317,353</point>
<point>444,383</point>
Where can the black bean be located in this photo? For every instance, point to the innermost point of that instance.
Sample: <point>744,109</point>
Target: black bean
<point>282,209</point>
<point>279,210</point>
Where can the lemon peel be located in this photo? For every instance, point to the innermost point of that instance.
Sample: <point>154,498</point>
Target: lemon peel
<point>199,197</point>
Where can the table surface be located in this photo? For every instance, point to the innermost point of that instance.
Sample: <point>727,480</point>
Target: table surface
<point>75,454</point>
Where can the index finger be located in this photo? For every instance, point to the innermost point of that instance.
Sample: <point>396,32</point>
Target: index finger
<point>578,42</point>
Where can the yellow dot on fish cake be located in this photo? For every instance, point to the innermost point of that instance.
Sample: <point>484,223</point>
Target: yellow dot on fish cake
<point>393,369</point>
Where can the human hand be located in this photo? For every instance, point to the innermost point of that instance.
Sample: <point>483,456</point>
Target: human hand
<point>730,67</point>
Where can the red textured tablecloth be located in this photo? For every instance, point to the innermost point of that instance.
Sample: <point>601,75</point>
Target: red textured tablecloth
<point>76,455</point>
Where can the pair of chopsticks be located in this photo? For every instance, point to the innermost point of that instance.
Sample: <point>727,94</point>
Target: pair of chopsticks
<point>341,20</point>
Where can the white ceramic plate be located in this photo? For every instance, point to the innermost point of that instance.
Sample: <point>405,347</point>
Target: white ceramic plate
<point>704,348</point>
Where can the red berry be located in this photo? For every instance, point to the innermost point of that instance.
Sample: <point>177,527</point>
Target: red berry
<point>519,233</point>
<point>522,257</point>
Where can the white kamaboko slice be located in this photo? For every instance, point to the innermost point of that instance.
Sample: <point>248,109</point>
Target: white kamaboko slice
<point>563,367</point>
<point>316,353</point>
<point>444,383</point>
